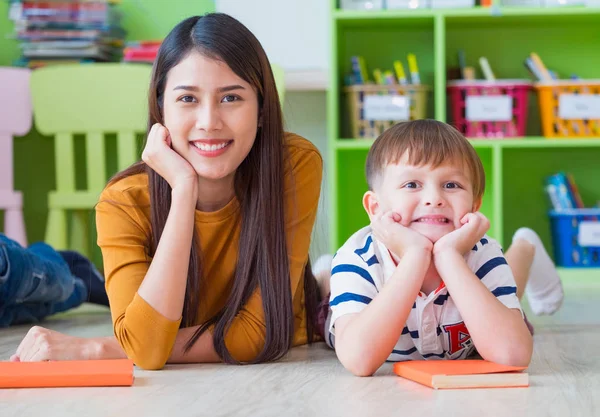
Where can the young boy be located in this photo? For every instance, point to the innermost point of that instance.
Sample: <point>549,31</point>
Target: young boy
<point>423,281</point>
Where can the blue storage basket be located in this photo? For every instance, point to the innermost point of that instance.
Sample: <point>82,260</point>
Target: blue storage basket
<point>565,236</point>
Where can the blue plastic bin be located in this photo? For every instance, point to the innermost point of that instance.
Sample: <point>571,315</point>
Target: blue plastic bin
<point>565,226</point>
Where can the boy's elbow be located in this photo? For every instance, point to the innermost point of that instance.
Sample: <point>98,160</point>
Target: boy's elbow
<point>518,354</point>
<point>359,369</point>
<point>358,365</point>
<point>522,355</point>
<point>517,358</point>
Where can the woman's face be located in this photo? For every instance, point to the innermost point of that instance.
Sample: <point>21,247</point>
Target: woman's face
<point>211,114</point>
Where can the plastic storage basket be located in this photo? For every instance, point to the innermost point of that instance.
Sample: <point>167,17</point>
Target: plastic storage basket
<point>576,237</point>
<point>570,108</point>
<point>489,109</point>
<point>364,125</point>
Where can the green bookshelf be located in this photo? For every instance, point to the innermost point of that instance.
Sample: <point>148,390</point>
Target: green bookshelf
<point>567,39</point>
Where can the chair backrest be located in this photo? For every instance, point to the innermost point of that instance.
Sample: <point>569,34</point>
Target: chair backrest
<point>15,117</point>
<point>279,76</point>
<point>91,99</point>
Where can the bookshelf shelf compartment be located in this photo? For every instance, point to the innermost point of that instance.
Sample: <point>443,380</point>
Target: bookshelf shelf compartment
<point>567,40</point>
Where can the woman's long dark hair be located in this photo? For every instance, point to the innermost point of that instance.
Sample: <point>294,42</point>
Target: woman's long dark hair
<point>259,187</point>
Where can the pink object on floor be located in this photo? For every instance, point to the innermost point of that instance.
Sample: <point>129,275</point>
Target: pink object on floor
<point>15,120</point>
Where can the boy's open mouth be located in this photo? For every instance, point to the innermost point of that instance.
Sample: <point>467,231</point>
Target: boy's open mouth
<point>432,220</point>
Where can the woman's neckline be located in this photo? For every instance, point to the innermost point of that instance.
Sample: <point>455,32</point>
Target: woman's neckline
<point>218,215</point>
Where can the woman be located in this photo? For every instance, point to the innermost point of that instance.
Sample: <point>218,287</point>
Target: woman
<point>205,242</point>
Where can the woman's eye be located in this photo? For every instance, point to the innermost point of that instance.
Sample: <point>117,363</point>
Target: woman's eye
<point>187,99</point>
<point>230,98</point>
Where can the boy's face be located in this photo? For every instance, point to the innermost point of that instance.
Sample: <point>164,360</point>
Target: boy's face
<point>431,201</point>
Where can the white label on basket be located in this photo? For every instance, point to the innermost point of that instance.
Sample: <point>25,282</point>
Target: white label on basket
<point>387,107</point>
<point>589,234</point>
<point>579,106</point>
<point>489,108</point>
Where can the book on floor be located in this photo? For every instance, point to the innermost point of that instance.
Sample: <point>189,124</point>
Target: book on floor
<point>476,373</point>
<point>54,374</point>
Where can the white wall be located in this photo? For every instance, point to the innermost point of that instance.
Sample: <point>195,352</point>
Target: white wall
<point>294,33</point>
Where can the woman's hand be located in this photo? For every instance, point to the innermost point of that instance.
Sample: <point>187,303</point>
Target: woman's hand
<point>167,163</point>
<point>397,238</point>
<point>42,344</point>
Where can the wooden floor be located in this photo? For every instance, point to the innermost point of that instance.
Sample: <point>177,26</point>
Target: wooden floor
<point>564,373</point>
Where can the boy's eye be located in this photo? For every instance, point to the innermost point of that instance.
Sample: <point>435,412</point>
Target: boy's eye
<point>451,185</point>
<point>411,184</point>
<point>230,98</point>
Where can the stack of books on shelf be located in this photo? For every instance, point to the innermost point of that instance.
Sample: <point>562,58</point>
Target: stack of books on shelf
<point>562,192</point>
<point>141,51</point>
<point>66,31</point>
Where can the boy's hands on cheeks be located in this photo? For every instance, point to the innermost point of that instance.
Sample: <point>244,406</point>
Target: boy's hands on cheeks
<point>397,238</point>
<point>474,226</point>
<point>167,163</point>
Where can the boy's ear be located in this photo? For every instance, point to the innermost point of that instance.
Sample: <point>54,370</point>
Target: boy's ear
<point>370,203</point>
<point>477,204</point>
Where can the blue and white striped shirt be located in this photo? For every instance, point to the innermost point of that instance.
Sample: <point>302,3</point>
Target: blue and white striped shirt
<point>434,328</point>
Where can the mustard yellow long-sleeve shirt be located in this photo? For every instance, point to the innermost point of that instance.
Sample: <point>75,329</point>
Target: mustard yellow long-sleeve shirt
<point>123,223</point>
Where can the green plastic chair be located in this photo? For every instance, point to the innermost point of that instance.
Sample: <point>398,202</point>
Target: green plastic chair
<point>89,99</point>
<point>279,76</point>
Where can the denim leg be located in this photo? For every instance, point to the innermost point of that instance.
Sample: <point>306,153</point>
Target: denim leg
<point>34,312</point>
<point>36,276</point>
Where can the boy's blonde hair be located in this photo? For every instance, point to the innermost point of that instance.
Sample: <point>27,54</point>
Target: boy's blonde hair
<point>428,142</point>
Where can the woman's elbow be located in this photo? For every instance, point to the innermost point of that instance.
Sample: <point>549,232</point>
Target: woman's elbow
<point>149,365</point>
<point>246,353</point>
<point>149,357</point>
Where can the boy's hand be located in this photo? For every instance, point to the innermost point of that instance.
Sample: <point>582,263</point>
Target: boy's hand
<point>474,226</point>
<point>397,238</point>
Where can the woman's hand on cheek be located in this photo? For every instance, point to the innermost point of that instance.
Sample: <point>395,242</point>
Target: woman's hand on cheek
<point>159,155</point>
<point>462,240</point>
<point>388,229</point>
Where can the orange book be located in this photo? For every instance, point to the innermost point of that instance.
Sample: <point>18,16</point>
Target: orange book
<point>476,373</point>
<point>97,373</point>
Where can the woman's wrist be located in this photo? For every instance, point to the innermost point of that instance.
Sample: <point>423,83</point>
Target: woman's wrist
<point>103,348</point>
<point>186,194</point>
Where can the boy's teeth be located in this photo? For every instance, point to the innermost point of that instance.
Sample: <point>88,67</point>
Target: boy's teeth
<point>206,147</point>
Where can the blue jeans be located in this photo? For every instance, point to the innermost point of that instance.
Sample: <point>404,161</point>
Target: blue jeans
<point>35,282</point>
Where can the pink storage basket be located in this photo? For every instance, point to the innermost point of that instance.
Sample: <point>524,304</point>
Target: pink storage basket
<point>518,90</point>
